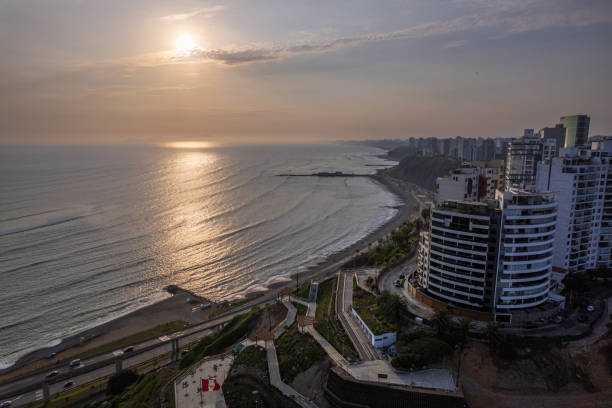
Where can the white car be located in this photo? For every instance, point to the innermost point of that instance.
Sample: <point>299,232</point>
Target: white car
<point>5,404</point>
<point>590,308</point>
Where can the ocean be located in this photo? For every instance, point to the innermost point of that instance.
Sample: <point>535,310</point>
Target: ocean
<point>88,233</point>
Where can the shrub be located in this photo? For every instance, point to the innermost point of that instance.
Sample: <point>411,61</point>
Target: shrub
<point>422,351</point>
<point>120,381</point>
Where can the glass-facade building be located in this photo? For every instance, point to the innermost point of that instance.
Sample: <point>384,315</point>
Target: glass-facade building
<point>576,130</point>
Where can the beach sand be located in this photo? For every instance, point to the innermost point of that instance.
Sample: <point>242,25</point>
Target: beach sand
<point>177,307</point>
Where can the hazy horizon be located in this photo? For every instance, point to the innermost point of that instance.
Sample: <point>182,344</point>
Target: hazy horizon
<point>235,71</point>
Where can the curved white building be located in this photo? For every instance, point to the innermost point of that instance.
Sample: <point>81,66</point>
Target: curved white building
<point>527,239</point>
<point>493,256</point>
<point>459,255</point>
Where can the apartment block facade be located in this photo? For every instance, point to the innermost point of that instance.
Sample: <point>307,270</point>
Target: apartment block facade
<point>493,256</point>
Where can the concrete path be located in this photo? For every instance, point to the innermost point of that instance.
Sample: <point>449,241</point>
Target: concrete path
<point>291,312</point>
<point>273,369</point>
<point>276,381</point>
<point>329,349</point>
<point>188,387</point>
<point>344,297</point>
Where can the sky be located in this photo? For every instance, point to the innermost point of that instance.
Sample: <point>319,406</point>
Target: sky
<point>110,71</point>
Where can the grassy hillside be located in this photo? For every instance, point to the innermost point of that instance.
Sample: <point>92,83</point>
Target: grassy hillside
<point>423,171</point>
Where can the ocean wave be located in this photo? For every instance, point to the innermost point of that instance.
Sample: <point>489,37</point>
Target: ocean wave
<point>45,225</point>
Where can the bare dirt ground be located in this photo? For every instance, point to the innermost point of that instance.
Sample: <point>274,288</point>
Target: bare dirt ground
<point>271,317</point>
<point>572,377</point>
<point>310,382</point>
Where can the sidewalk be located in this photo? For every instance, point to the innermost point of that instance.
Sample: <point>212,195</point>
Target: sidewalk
<point>276,381</point>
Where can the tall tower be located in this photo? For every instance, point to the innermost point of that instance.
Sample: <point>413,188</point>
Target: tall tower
<point>576,130</point>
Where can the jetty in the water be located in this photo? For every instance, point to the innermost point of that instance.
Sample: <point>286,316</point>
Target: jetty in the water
<point>325,174</point>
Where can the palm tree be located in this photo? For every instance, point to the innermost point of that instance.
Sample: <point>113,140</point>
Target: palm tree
<point>441,321</point>
<point>465,325</point>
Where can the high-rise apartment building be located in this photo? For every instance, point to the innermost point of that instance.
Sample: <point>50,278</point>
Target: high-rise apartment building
<point>576,130</point>
<point>521,163</point>
<point>557,133</point>
<point>493,256</point>
<point>582,180</point>
<point>473,182</point>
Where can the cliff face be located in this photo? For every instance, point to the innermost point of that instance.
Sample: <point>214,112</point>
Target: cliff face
<point>423,171</point>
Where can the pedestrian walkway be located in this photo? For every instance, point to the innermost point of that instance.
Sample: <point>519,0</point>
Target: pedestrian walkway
<point>273,369</point>
<point>188,392</point>
<point>344,297</point>
<point>329,349</point>
<point>276,381</point>
<point>291,313</point>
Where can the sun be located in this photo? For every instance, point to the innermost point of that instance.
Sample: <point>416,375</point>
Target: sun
<point>185,44</point>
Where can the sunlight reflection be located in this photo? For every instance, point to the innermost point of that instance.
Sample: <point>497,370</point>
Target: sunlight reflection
<point>193,144</point>
<point>189,242</point>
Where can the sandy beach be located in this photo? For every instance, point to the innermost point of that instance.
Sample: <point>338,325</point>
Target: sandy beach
<point>178,306</point>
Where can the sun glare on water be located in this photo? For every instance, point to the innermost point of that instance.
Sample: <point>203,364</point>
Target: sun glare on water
<point>188,145</point>
<point>185,44</point>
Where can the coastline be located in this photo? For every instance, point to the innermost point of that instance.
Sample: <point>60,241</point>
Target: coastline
<point>177,306</point>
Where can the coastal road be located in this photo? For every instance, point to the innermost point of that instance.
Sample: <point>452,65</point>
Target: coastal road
<point>162,349</point>
<point>154,348</point>
<point>387,280</point>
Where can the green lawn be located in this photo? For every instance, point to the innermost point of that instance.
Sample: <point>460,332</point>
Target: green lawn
<point>327,324</point>
<point>134,338</point>
<point>301,309</point>
<point>252,357</point>
<point>371,313</point>
<point>303,290</point>
<point>213,344</point>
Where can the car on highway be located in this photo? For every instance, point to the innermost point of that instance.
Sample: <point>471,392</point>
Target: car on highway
<point>128,349</point>
<point>5,404</point>
<point>75,363</point>
<point>52,355</point>
<point>68,384</point>
<point>590,308</point>
<point>52,374</point>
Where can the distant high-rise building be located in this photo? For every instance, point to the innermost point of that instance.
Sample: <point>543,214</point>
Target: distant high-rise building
<point>549,149</point>
<point>488,149</point>
<point>557,133</point>
<point>528,133</point>
<point>473,182</point>
<point>576,130</point>
<point>521,163</point>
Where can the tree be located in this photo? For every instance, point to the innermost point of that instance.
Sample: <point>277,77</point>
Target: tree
<point>425,213</point>
<point>117,383</point>
<point>464,327</point>
<point>441,321</point>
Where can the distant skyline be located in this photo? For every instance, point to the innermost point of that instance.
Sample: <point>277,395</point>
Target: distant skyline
<point>233,71</point>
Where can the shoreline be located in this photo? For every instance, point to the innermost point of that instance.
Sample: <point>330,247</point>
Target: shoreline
<point>177,305</point>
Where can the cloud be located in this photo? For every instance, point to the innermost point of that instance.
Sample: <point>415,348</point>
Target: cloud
<point>456,44</point>
<point>206,12</point>
<point>497,18</point>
